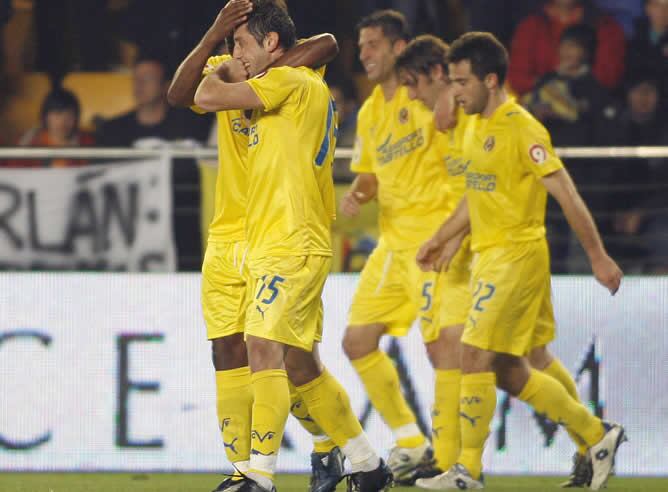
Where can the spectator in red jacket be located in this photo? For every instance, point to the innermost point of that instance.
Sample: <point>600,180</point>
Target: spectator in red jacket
<point>534,49</point>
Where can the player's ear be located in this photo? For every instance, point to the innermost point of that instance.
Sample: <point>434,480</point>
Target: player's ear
<point>437,73</point>
<point>398,47</point>
<point>271,41</point>
<point>491,81</point>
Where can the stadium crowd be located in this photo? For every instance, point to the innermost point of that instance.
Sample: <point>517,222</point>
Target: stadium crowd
<point>594,72</point>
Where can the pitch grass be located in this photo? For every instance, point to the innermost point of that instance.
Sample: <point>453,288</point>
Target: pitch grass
<point>121,482</point>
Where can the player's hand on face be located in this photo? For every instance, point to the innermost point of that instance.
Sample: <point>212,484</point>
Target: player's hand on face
<point>232,70</point>
<point>608,273</point>
<point>429,254</point>
<point>232,15</point>
<point>350,203</point>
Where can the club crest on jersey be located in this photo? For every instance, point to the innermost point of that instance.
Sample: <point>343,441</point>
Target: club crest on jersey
<point>489,144</point>
<point>403,115</point>
<point>538,153</point>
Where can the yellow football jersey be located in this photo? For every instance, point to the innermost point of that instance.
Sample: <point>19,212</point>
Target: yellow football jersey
<point>229,216</point>
<point>395,142</point>
<point>449,145</point>
<point>509,153</point>
<point>291,142</point>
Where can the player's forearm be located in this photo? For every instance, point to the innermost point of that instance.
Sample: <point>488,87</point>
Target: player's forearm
<point>214,94</point>
<point>561,187</point>
<point>580,219</point>
<point>182,90</point>
<point>457,224</point>
<point>314,52</point>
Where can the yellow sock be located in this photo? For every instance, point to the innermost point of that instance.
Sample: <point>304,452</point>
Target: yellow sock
<point>381,381</point>
<point>329,405</point>
<point>299,410</point>
<point>477,403</point>
<point>557,370</point>
<point>270,411</point>
<point>234,404</point>
<point>445,435</point>
<point>546,395</point>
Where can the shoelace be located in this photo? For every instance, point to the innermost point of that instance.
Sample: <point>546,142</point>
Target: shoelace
<point>580,472</point>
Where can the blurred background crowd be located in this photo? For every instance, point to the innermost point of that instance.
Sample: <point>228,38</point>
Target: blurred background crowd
<point>595,72</point>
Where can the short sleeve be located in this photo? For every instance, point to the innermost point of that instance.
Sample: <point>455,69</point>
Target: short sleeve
<point>211,65</point>
<point>274,86</point>
<point>535,149</point>
<point>362,160</point>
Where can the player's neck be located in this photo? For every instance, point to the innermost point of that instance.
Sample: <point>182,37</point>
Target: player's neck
<point>389,87</point>
<point>496,99</point>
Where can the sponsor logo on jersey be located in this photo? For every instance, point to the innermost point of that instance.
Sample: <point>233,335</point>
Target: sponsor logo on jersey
<point>388,151</point>
<point>481,182</point>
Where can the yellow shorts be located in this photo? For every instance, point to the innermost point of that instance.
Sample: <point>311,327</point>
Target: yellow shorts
<point>393,291</point>
<point>287,299</point>
<point>512,306</point>
<point>224,288</point>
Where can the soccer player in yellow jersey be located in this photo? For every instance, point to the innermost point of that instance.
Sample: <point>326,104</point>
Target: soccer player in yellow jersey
<point>511,166</point>
<point>422,68</point>
<point>397,163</point>
<point>290,205</point>
<point>224,279</point>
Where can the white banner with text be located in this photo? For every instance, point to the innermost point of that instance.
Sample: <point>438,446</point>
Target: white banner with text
<point>113,372</point>
<point>113,217</point>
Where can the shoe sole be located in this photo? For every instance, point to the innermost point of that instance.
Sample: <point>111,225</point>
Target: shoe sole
<point>621,438</point>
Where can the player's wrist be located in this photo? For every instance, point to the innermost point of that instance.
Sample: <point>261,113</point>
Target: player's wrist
<point>212,38</point>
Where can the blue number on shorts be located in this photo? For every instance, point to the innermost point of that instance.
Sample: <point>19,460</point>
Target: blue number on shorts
<point>490,292</point>
<point>324,146</point>
<point>427,295</point>
<point>272,287</point>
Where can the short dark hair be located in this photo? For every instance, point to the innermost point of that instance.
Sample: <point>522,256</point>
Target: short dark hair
<point>424,53</point>
<point>392,23</point>
<point>485,53</point>
<point>268,16</point>
<point>60,100</point>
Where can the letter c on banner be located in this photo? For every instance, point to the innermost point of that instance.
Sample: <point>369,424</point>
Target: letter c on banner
<point>5,443</point>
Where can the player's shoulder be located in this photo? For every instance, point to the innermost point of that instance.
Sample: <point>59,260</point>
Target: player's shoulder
<point>516,118</point>
<point>371,105</point>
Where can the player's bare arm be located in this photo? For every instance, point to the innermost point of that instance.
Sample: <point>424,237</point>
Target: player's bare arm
<point>363,190</point>
<point>181,92</point>
<point>313,52</point>
<point>433,253</point>
<point>214,94</point>
<point>450,250</point>
<point>560,185</point>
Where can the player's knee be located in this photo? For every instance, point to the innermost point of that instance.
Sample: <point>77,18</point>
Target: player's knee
<point>445,352</point>
<point>229,352</point>
<point>475,360</point>
<point>358,342</point>
<point>512,373</point>
<point>302,367</point>
<point>265,354</point>
<point>540,358</point>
